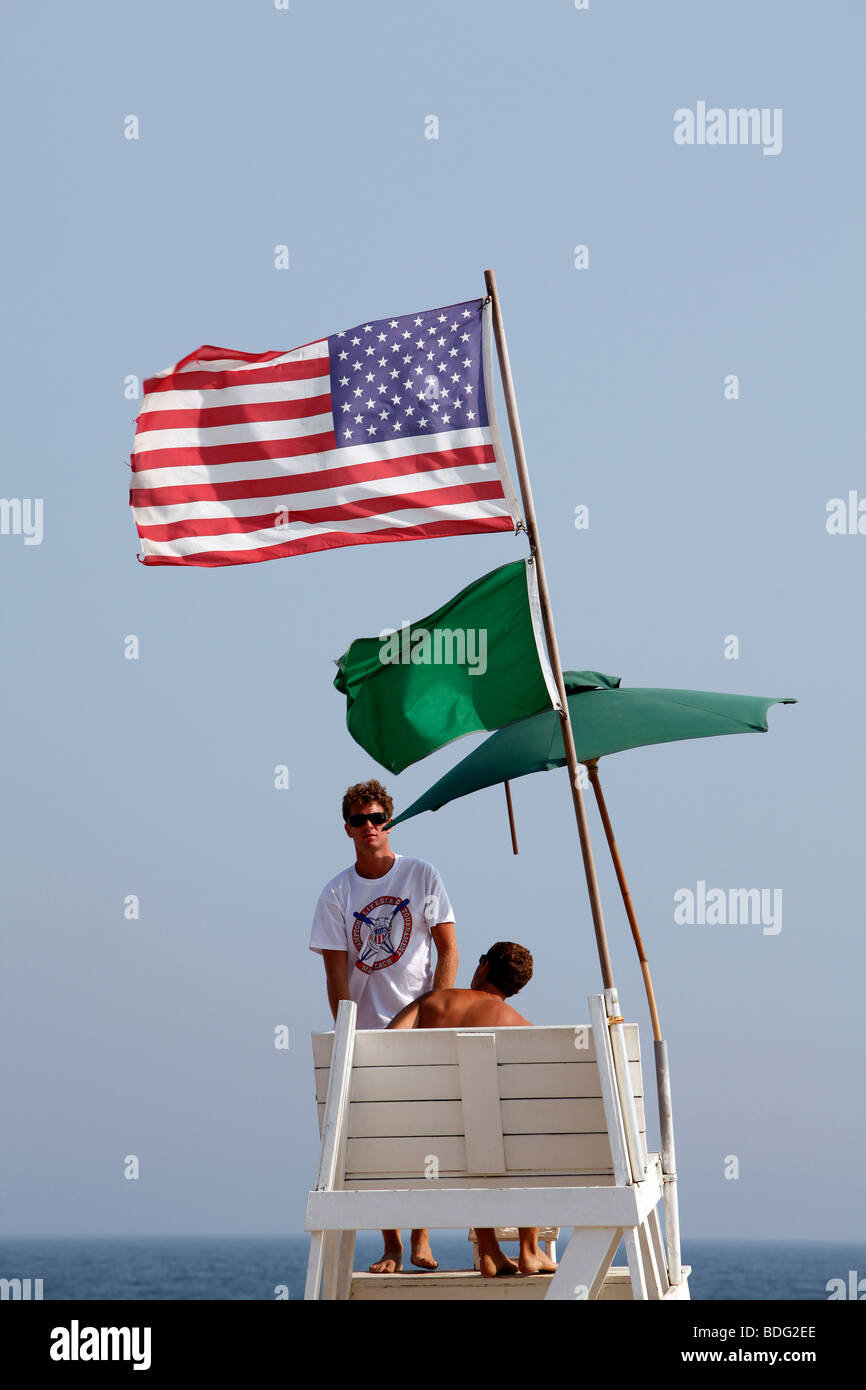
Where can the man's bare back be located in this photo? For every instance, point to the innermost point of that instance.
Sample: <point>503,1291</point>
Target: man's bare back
<point>459,1008</point>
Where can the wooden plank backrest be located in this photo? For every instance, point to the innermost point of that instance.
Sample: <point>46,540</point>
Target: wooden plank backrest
<point>451,1105</point>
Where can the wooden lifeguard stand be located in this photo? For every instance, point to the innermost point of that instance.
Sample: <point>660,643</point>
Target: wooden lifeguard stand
<point>487,1127</point>
<point>504,1126</point>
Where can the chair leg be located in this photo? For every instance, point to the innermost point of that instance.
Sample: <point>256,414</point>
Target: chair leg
<point>345,1264</point>
<point>329,1274</point>
<point>584,1264</point>
<point>314,1265</point>
<point>635,1265</point>
<point>655,1236</point>
<point>655,1280</point>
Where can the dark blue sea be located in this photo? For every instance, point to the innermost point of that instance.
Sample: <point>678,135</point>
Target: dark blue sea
<point>264,1267</point>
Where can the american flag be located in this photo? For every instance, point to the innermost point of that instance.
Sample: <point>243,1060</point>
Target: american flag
<point>384,432</point>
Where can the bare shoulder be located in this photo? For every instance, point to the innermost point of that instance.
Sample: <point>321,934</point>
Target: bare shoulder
<point>512,1019</point>
<point>435,1005</point>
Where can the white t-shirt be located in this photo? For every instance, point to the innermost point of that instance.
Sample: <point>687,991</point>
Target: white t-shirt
<point>385,926</point>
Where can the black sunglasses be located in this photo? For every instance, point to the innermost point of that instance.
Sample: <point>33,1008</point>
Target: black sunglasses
<point>375,818</point>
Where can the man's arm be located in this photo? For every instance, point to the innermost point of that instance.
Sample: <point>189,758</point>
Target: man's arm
<point>409,1015</point>
<point>337,975</point>
<point>447,955</point>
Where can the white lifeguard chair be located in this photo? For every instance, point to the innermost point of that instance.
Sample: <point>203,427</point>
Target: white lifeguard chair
<point>500,1127</point>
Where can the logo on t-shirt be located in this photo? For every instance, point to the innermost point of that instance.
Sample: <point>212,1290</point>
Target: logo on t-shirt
<point>381,933</point>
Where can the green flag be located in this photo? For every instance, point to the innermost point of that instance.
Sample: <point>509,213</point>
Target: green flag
<point>478,662</point>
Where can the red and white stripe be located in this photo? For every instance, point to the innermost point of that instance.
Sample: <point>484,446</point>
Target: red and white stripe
<point>235,461</point>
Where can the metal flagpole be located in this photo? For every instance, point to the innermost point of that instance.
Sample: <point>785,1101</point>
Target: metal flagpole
<point>614,1018</point>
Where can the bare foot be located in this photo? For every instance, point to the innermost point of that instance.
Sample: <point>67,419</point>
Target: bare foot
<point>494,1265</point>
<point>536,1262</point>
<point>422,1255</point>
<point>390,1263</point>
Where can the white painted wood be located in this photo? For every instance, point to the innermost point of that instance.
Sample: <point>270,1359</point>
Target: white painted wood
<point>329,1266</point>
<point>531,1080</point>
<point>554,1116</point>
<point>322,1257</point>
<point>404,1157</point>
<point>403,1119</point>
<point>656,1284</point>
<point>649,1194</point>
<point>607,1077</point>
<point>636,1151</point>
<point>642,1144</point>
<point>383,1208</point>
<point>374,1119</point>
<point>314,1265</point>
<point>344,1273</point>
<point>458,1284</point>
<point>398,1083</point>
<point>517,1081</point>
<point>680,1292</point>
<point>583,1265</point>
<point>337,1100</point>
<point>438,1046</point>
<point>407,1118</point>
<point>557,1153</point>
<point>512,1180</point>
<point>635,1264</point>
<point>451,1286</point>
<point>541,1119</point>
<point>481,1111</point>
<point>524,1153</point>
<point>466,1284</point>
<point>654,1229</point>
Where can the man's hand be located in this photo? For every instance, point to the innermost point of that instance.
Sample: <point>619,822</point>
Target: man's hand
<point>337,975</point>
<point>447,955</point>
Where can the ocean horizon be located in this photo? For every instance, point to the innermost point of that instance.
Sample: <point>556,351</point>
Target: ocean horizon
<point>254,1268</point>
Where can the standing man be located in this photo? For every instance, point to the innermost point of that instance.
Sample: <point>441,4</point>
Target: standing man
<point>374,926</point>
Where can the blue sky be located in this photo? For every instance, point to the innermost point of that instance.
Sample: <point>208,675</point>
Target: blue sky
<point>154,777</point>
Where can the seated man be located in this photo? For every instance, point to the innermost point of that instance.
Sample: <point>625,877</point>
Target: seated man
<point>502,972</point>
